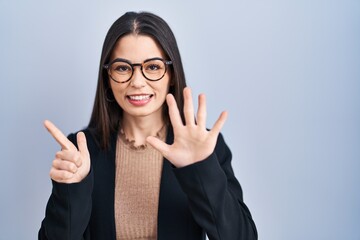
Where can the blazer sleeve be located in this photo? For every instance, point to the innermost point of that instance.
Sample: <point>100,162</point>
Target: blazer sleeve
<point>68,210</point>
<point>215,196</point>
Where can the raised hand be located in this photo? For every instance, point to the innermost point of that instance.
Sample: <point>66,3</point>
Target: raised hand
<point>71,165</point>
<point>192,141</point>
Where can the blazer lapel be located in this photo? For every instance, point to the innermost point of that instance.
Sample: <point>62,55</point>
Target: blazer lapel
<point>103,218</point>
<point>174,216</point>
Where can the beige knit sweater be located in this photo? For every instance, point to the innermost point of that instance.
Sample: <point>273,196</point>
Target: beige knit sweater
<point>137,185</point>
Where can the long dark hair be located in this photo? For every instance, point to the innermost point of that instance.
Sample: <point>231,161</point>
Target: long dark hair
<point>106,114</point>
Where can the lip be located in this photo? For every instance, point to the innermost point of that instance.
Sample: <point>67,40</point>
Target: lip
<point>139,99</point>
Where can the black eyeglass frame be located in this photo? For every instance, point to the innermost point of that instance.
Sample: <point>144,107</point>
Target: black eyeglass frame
<point>132,65</point>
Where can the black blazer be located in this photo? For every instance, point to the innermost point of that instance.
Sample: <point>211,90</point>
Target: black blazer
<point>204,197</point>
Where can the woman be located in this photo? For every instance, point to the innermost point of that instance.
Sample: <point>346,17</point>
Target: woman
<point>143,169</point>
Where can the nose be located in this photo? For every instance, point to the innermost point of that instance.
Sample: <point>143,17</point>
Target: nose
<point>137,80</point>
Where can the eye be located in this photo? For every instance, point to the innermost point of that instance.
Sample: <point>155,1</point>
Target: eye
<point>153,67</point>
<point>122,68</point>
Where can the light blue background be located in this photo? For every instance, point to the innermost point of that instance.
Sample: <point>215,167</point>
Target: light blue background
<point>288,72</point>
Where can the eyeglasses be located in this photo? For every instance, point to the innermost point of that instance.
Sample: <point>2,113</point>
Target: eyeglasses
<point>121,70</point>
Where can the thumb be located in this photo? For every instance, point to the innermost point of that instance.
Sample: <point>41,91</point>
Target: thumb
<point>159,145</point>
<point>82,145</point>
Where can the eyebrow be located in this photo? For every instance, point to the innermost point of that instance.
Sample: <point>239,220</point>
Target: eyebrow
<point>128,61</point>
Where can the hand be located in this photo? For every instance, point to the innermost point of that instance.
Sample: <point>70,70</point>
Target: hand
<point>70,164</point>
<point>192,141</point>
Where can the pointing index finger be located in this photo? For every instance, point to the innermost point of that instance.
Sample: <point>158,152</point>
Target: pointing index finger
<point>58,135</point>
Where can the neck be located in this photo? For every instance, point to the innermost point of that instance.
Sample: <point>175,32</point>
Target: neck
<point>139,128</point>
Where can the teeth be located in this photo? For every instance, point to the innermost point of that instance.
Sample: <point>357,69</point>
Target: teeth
<point>139,97</point>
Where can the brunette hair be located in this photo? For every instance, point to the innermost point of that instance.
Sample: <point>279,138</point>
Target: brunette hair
<point>106,115</point>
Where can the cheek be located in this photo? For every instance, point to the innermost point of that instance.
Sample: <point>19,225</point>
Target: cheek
<point>165,88</point>
<point>116,88</point>
<point>161,87</point>
<point>118,93</point>
<point>168,82</point>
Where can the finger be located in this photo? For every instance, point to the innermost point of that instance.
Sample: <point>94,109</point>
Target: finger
<point>70,156</point>
<point>174,113</point>
<point>201,114</point>
<point>159,145</point>
<point>82,144</point>
<point>219,123</point>
<point>64,165</point>
<point>58,135</point>
<point>188,107</point>
<point>60,175</point>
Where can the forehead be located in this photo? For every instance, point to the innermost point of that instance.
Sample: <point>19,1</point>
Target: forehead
<point>136,48</point>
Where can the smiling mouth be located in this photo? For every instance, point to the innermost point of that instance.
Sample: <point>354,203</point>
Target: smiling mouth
<point>139,97</point>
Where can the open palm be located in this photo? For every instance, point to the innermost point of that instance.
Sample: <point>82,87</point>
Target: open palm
<point>192,141</point>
